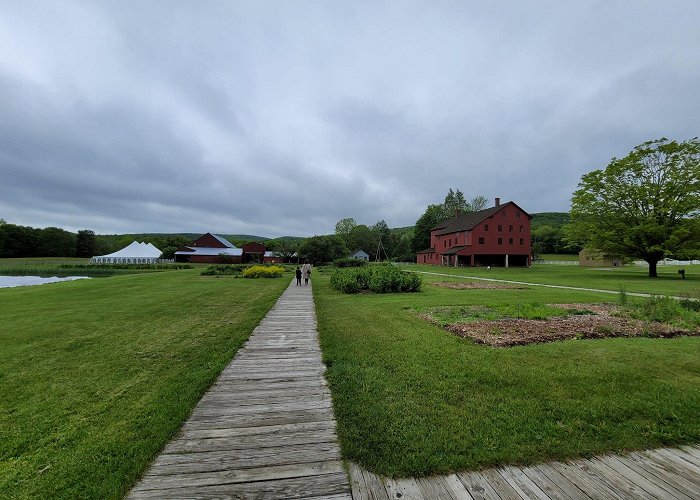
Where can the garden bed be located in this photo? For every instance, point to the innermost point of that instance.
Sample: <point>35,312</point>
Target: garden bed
<point>586,321</point>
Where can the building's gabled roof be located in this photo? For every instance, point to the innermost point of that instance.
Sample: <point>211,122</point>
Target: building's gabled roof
<point>428,250</point>
<point>223,241</point>
<point>359,252</point>
<point>467,222</point>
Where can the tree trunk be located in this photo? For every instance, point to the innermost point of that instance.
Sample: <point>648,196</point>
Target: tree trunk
<point>652,268</point>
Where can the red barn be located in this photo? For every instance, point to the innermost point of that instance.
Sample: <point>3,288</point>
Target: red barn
<point>496,236</point>
<point>210,248</point>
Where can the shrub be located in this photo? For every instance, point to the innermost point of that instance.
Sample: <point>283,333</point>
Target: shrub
<point>377,279</point>
<point>223,270</point>
<point>263,272</point>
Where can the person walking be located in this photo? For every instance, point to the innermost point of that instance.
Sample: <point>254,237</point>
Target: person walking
<point>298,276</point>
<point>306,271</point>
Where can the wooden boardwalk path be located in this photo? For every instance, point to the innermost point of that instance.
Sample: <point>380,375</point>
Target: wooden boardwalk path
<point>265,429</point>
<point>663,474</point>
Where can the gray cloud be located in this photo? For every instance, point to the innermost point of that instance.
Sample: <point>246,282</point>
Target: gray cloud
<point>280,118</point>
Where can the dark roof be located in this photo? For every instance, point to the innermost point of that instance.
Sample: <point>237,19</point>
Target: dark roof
<point>428,250</point>
<point>468,221</point>
<point>454,250</point>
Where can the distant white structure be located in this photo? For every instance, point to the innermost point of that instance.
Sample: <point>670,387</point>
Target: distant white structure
<point>360,255</point>
<point>135,253</point>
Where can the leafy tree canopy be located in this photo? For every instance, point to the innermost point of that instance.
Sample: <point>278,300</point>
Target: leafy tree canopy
<point>454,205</point>
<point>645,205</point>
<point>323,249</point>
<point>344,226</point>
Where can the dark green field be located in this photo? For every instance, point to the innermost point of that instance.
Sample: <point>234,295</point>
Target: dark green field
<point>97,375</point>
<point>411,398</point>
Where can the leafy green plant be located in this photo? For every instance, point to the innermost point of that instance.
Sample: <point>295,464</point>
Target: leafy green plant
<point>384,278</point>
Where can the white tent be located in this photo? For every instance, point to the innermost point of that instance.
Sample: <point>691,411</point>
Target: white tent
<point>135,253</point>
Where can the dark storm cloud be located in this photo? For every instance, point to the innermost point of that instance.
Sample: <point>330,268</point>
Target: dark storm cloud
<point>281,118</point>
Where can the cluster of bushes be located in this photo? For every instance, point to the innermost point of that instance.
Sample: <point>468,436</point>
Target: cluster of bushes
<point>263,272</point>
<point>224,270</point>
<point>384,278</point>
<point>349,262</point>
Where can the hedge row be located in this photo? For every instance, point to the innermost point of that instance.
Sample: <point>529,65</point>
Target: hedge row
<point>263,272</point>
<point>376,278</point>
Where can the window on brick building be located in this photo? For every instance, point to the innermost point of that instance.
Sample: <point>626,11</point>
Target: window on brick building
<point>500,228</point>
<point>510,228</point>
<point>522,241</point>
<point>481,240</point>
<point>486,227</point>
<point>510,241</point>
<point>500,241</point>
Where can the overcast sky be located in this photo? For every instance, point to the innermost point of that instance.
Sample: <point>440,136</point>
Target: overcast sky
<point>282,117</point>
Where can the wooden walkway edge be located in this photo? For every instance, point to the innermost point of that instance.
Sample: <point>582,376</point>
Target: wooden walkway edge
<point>266,428</point>
<point>661,474</point>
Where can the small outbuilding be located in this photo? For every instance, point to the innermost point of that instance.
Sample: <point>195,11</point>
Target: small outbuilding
<point>360,255</point>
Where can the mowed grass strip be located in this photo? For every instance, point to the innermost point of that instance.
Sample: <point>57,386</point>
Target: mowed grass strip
<point>413,399</point>
<point>630,278</point>
<point>97,375</point>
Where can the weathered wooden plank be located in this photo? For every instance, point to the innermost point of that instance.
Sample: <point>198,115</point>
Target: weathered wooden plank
<point>375,486</point>
<point>244,442</point>
<point>679,459</point>
<point>262,419</point>
<point>522,484</point>
<point>588,481</point>
<point>651,484</point>
<point>266,473</point>
<point>405,489</point>
<point>358,486</point>
<point>259,409</point>
<point>689,457</point>
<point>549,487</point>
<point>270,430</point>
<point>242,459</point>
<point>659,462</point>
<point>477,486</point>
<point>454,487</point>
<point>500,485</point>
<point>621,484</point>
<point>301,487</point>
<point>565,483</point>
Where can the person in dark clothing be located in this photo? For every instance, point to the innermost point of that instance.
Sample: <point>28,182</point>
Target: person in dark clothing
<point>298,276</point>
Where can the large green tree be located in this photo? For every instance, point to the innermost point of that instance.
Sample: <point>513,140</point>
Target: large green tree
<point>645,205</point>
<point>322,249</point>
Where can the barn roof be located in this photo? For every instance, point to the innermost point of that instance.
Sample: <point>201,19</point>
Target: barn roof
<point>235,252</point>
<point>223,241</point>
<point>466,222</point>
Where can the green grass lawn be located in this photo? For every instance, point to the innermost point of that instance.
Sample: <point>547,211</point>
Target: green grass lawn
<point>630,278</point>
<point>97,375</point>
<point>411,398</point>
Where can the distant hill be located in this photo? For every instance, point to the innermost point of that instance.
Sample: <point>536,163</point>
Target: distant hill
<point>554,219</point>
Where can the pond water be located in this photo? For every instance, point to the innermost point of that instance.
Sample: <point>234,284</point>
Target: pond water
<point>13,281</point>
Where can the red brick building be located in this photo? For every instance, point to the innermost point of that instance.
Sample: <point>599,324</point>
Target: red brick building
<point>496,236</point>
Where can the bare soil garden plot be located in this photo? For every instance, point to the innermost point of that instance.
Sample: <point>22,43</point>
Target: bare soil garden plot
<point>575,321</point>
